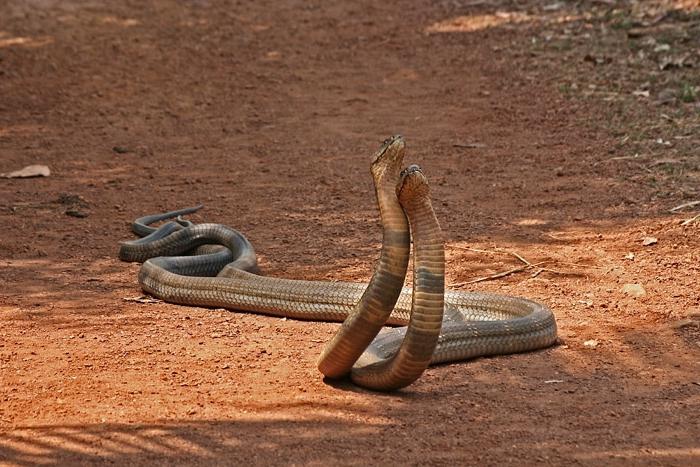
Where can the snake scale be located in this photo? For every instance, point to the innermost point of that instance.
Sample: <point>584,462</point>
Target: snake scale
<point>435,325</point>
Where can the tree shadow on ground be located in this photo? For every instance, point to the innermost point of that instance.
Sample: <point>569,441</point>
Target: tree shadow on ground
<point>477,419</point>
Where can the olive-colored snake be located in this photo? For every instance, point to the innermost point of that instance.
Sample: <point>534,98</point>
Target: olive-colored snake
<point>438,326</point>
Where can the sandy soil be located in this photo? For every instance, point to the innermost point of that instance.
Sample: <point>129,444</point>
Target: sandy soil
<point>538,127</point>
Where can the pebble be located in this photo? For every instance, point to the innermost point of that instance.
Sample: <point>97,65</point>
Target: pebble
<point>76,213</point>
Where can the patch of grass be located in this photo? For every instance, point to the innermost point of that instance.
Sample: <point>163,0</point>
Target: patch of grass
<point>669,169</point>
<point>688,93</point>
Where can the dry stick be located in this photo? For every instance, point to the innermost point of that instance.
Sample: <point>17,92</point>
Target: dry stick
<point>498,275</point>
<point>571,235</point>
<point>664,161</point>
<point>623,158</point>
<point>555,271</point>
<point>493,252</point>
<point>684,205</point>
<point>472,249</point>
<point>575,265</point>
<point>691,220</point>
<point>498,250</point>
<point>578,265</point>
<point>527,265</point>
<point>518,256</point>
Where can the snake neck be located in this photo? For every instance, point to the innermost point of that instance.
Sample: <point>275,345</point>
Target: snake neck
<point>378,300</point>
<point>374,371</point>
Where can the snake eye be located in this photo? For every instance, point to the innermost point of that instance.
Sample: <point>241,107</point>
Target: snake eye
<point>391,139</point>
<point>413,168</point>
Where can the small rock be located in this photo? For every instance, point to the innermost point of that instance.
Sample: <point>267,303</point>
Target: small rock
<point>71,199</point>
<point>633,290</point>
<point>76,213</point>
<point>629,256</point>
<point>646,241</point>
<point>635,33</point>
<point>591,343</point>
<point>120,149</point>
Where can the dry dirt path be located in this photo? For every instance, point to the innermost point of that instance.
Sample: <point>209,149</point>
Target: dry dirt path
<point>268,112</point>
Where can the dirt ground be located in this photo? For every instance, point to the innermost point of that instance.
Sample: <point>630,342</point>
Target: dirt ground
<point>560,131</point>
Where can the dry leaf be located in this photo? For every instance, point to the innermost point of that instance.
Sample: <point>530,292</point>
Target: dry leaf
<point>28,171</point>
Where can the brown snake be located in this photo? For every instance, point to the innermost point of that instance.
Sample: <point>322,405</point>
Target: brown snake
<point>438,326</point>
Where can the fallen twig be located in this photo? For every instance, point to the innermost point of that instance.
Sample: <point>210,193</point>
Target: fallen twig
<point>142,299</point>
<point>663,161</point>
<point>526,265</point>
<point>556,271</point>
<point>476,250</point>
<point>578,265</point>
<point>624,158</point>
<point>497,251</point>
<point>497,275</point>
<point>684,205</point>
<point>519,257</point>
<point>691,220</point>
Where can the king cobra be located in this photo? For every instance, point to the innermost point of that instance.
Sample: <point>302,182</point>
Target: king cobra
<point>434,326</point>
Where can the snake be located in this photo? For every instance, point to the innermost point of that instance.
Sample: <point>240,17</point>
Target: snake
<point>390,333</point>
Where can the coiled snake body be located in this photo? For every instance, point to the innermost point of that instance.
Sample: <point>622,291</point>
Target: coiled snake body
<point>437,326</point>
